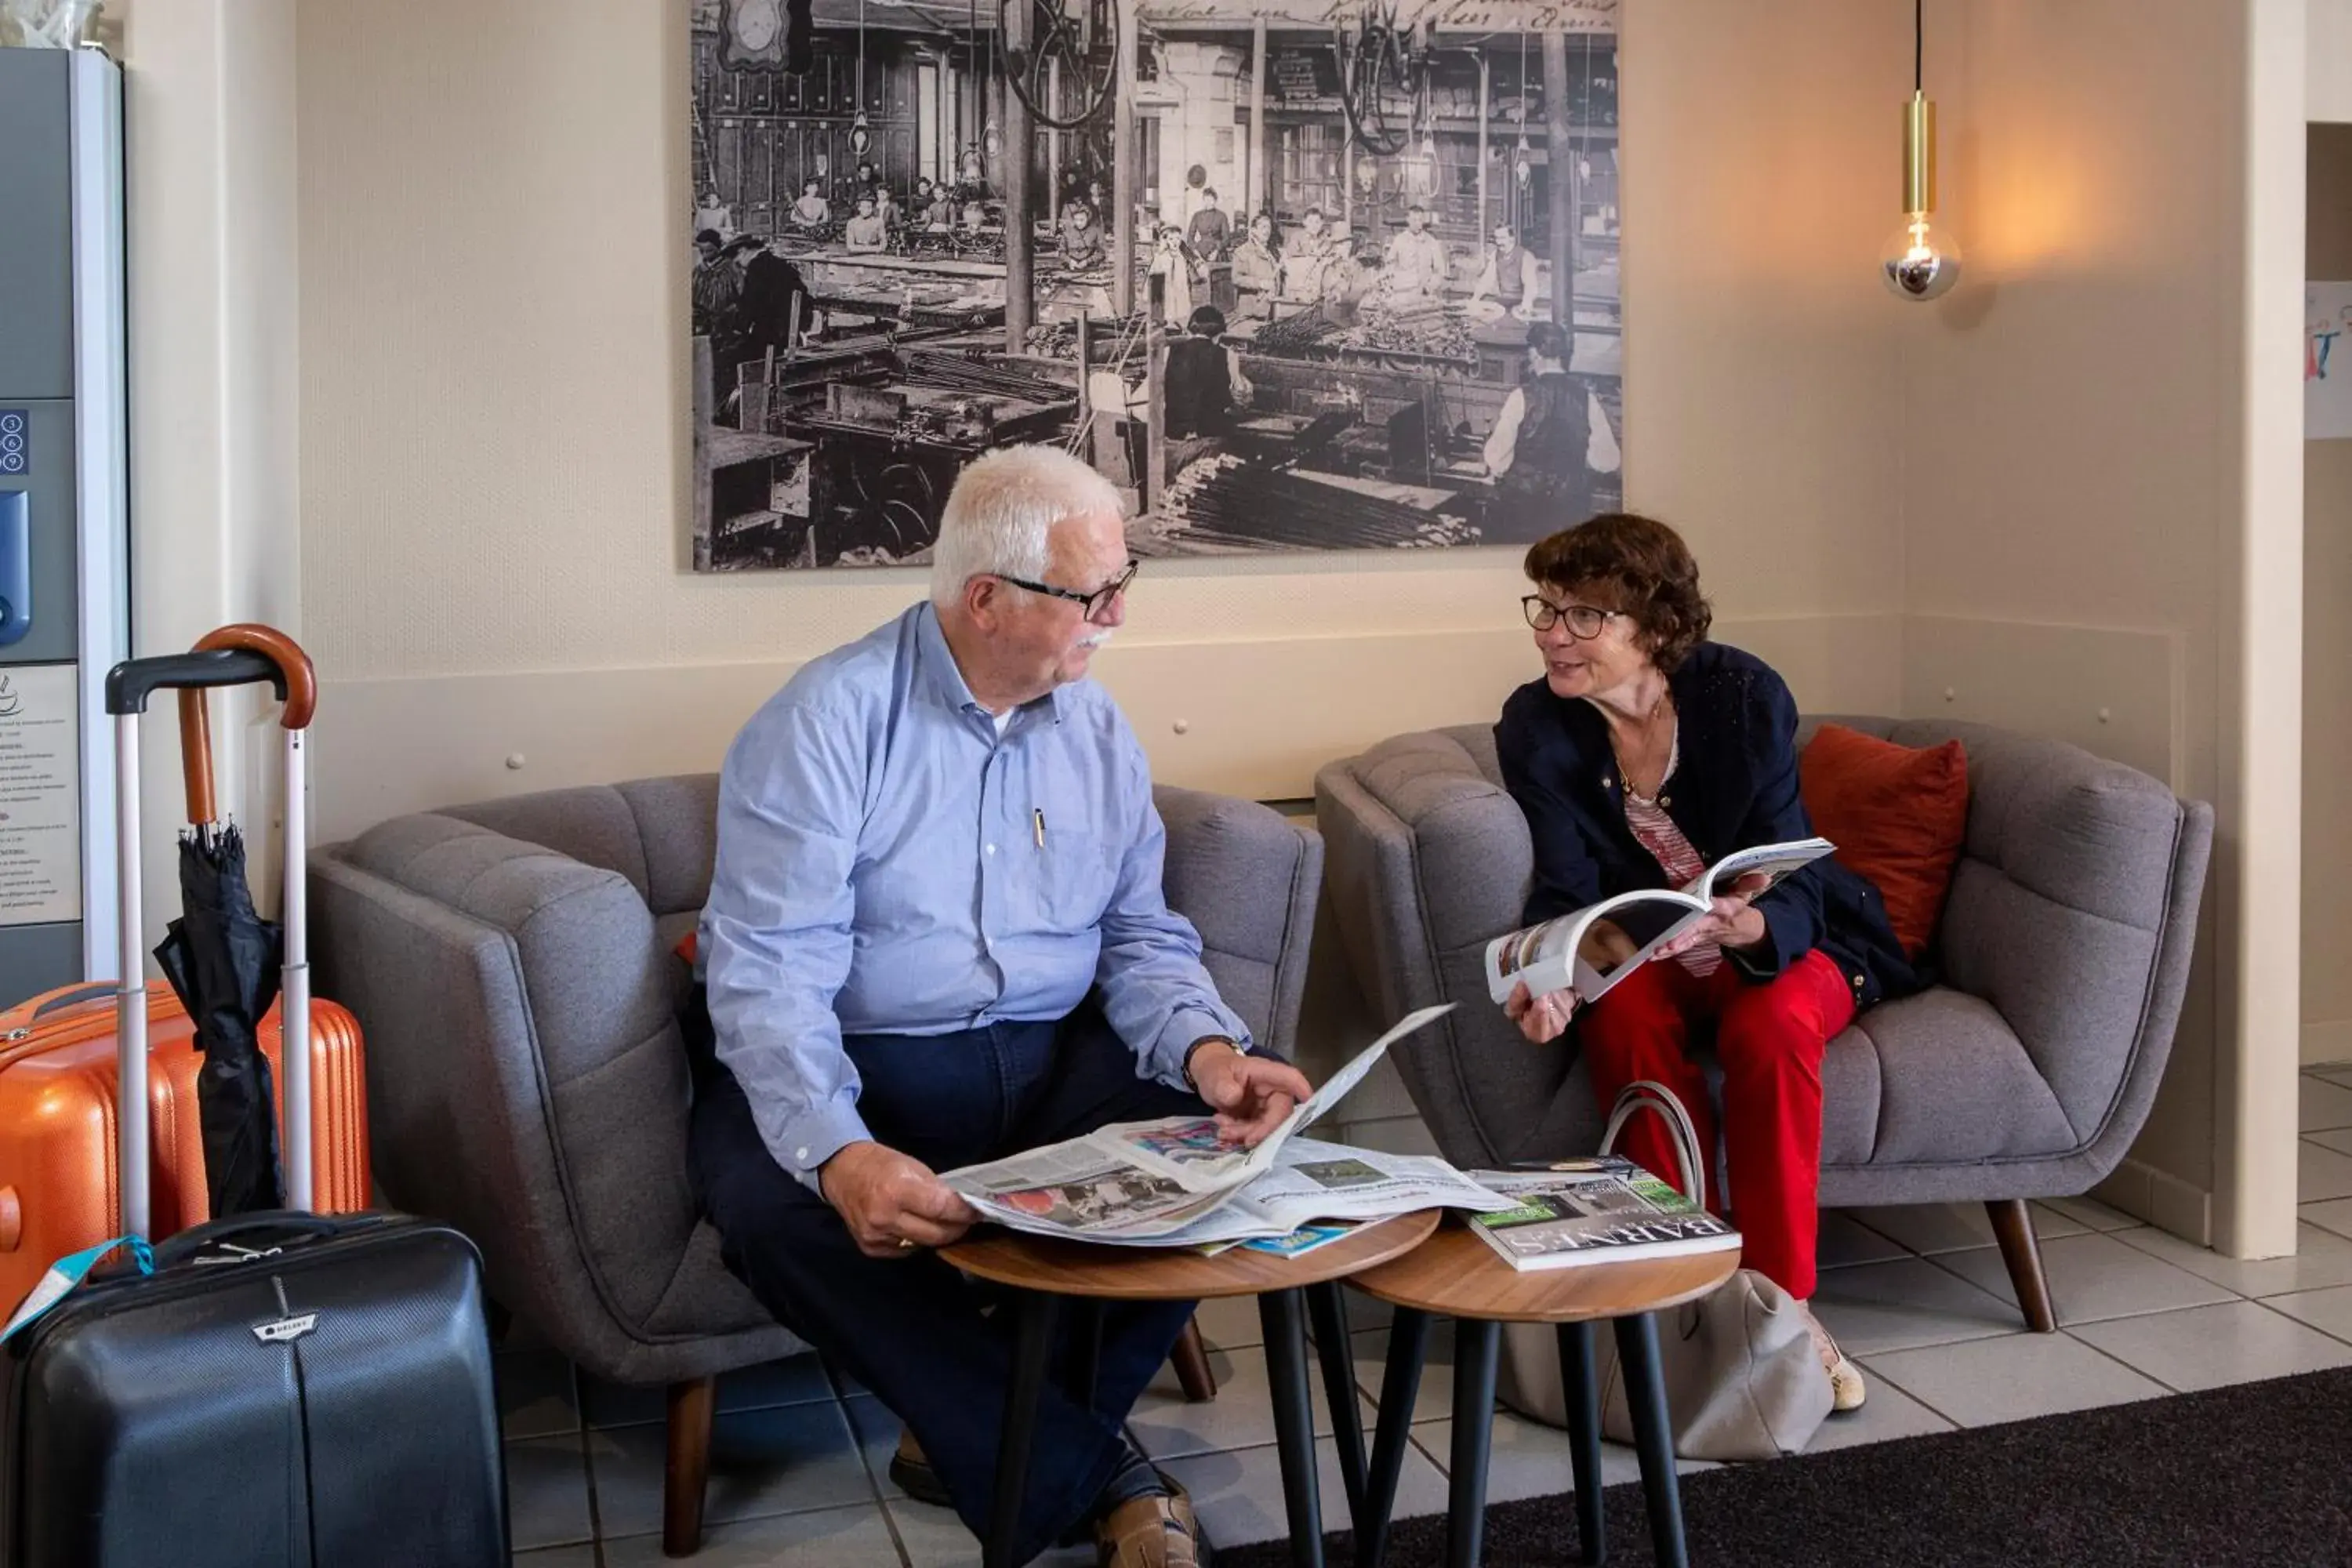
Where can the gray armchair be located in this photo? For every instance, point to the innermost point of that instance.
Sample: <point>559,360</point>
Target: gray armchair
<point>512,966</point>
<point>2064,951</point>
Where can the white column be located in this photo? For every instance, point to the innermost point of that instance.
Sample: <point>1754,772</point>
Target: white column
<point>213,245</point>
<point>2258,829</point>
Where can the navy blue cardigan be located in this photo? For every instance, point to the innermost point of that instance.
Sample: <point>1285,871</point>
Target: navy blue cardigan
<point>1734,787</point>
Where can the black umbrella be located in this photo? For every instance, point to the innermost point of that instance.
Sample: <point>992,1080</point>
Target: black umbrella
<point>223,959</point>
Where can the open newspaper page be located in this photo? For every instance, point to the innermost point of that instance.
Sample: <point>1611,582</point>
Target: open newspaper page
<point>1588,1211</point>
<point>1320,1181</point>
<point>1139,1181</point>
<point>1567,951</point>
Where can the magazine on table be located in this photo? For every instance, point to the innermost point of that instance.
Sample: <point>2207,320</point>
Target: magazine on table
<point>1593,1211</point>
<point>1144,1180</point>
<point>1567,950</point>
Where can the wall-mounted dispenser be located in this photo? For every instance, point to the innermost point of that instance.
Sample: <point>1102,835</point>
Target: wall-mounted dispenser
<point>65,602</point>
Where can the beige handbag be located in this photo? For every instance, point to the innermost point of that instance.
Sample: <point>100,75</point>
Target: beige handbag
<point>1743,1380</point>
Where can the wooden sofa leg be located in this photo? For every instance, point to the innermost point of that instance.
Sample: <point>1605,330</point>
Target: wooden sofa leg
<point>690,1407</point>
<point>1191,1359</point>
<point>2012,1223</point>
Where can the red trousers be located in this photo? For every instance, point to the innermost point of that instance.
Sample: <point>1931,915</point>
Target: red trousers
<point>1770,1038</point>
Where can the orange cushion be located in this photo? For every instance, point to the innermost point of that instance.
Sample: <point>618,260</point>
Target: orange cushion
<point>686,947</point>
<point>1896,814</point>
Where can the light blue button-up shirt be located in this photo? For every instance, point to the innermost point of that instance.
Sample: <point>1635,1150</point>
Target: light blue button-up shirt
<point>888,863</point>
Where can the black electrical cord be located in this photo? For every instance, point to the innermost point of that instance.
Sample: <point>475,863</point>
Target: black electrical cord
<point>1919,46</point>
<point>1359,86</point>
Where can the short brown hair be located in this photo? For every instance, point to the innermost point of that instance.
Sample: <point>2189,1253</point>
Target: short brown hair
<point>1638,566</point>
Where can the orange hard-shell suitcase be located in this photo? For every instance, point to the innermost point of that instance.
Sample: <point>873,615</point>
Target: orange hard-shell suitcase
<point>57,1121</point>
<point>60,1054</point>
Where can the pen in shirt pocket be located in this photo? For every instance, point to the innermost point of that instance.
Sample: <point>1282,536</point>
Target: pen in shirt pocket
<point>1039,817</point>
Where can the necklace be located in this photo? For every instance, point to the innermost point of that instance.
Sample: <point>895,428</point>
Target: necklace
<point>1627,773</point>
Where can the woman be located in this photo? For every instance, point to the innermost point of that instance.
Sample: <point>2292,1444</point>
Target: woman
<point>1644,755</point>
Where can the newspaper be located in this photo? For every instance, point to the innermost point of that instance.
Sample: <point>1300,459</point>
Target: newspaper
<point>1317,1181</point>
<point>1144,1182</point>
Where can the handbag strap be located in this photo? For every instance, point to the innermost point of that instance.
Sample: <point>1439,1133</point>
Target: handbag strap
<point>1650,1095</point>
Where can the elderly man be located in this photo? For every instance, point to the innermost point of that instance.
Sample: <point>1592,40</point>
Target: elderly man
<point>936,936</point>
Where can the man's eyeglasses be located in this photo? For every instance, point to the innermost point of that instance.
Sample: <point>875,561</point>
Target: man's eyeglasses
<point>1584,622</point>
<point>1096,602</point>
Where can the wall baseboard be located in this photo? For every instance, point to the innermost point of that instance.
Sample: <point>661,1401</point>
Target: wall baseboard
<point>2327,1041</point>
<point>2162,1200</point>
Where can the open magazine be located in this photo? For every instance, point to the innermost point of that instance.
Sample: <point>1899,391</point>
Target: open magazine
<point>1566,952</point>
<point>1591,1211</point>
<point>1146,1181</point>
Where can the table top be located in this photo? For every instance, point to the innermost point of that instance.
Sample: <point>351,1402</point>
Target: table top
<point>1175,1274</point>
<point>1428,498</point>
<point>1455,1275</point>
<point>727,448</point>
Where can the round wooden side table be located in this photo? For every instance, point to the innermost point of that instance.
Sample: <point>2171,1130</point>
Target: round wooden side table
<point>1457,1275</point>
<point>1044,1271</point>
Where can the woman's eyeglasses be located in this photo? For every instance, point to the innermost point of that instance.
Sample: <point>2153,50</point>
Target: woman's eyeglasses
<point>1584,622</point>
<point>1096,602</point>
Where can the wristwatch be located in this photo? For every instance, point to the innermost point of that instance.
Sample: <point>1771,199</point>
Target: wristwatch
<point>1196,1045</point>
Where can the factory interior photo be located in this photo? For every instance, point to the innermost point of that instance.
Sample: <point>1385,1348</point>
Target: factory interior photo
<point>1279,277</point>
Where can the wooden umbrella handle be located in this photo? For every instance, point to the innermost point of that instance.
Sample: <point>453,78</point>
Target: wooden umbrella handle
<point>196,723</point>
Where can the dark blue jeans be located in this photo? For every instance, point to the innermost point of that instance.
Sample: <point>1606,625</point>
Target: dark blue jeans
<point>912,1329</point>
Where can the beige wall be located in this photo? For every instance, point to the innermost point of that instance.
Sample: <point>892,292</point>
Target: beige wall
<point>2327,643</point>
<point>2045,471</point>
<point>2328,60</point>
<point>493,445</point>
<point>2076,457</point>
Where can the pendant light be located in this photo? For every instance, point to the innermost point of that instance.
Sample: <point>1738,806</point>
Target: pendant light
<point>1920,261</point>
<point>1523,161</point>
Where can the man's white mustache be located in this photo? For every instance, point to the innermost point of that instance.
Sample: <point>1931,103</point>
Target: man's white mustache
<point>1094,639</point>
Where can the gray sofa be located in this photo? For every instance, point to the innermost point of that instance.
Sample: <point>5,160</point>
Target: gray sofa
<point>512,966</point>
<point>2063,951</point>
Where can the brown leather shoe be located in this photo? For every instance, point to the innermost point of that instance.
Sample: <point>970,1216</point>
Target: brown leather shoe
<point>911,1473</point>
<point>1152,1533</point>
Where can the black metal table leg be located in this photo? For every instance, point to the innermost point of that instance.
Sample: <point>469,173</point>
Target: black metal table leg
<point>1082,1326</point>
<point>1645,1393</point>
<point>1399,1386</point>
<point>1478,1343</point>
<point>1579,1382</point>
<point>1033,1345</point>
<point>1329,1311</point>
<point>1294,1423</point>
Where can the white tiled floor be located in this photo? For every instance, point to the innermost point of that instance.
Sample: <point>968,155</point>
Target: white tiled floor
<point>1918,1296</point>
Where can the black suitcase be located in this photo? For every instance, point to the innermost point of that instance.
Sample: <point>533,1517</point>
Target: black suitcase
<point>286,1390</point>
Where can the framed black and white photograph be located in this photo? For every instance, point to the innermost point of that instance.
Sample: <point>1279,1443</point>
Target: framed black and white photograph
<point>1297,276</point>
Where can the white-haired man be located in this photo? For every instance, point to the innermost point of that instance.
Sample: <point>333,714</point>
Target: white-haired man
<point>936,935</point>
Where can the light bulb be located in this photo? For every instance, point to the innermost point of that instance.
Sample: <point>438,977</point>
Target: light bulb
<point>1920,261</point>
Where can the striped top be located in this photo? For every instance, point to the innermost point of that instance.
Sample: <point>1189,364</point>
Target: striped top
<point>1672,850</point>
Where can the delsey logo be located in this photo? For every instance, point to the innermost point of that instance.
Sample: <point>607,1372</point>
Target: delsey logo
<point>285,1330</point>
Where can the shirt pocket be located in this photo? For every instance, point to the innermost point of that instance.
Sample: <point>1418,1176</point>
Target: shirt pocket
<point>1079,873</point>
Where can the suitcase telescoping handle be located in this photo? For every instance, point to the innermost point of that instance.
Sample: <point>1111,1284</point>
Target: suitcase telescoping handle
<point>232,656</point>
